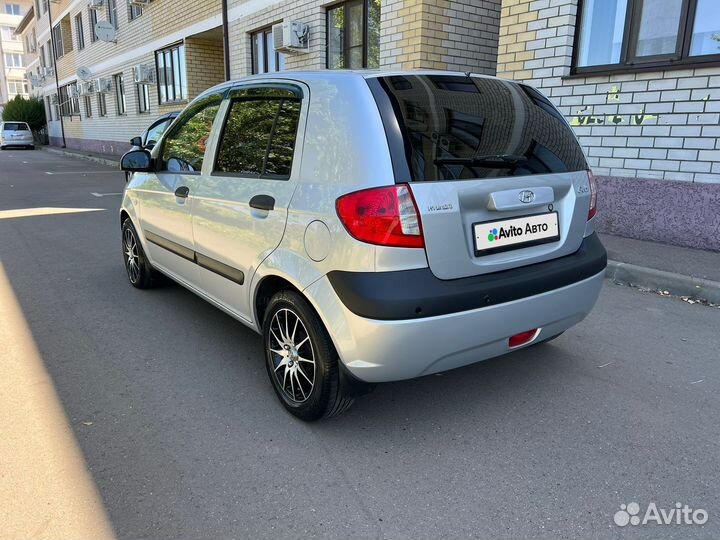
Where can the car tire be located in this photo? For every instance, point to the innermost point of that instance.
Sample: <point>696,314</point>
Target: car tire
<point>301,360</point>
<point>139,271</point>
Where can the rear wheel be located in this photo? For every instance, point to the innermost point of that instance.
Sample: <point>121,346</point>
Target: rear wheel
<point>139,271</point>
<point>301,361</point>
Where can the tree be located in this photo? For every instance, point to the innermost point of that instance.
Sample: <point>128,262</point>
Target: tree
<point>30,111</point>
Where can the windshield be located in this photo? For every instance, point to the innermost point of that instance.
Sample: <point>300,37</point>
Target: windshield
<point>15,126</point>
<point>456,127</point>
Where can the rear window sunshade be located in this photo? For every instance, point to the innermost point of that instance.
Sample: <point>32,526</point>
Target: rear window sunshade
<point>454,127</point>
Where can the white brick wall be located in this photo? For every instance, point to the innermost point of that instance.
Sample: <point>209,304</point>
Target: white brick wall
<point>660,124</point>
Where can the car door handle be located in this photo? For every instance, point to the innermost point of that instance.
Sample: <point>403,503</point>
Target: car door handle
<point>182,192</point>
<point>262,202</point>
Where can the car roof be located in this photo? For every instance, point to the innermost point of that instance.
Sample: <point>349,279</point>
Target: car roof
<point>340,74</point>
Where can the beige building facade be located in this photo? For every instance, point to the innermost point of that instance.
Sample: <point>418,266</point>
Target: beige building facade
<point>12,52</point>
<point>152,57</point>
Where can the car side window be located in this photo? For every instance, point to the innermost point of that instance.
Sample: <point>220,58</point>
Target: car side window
<point>259,136</point>
<point>155,132</point>
<point>184,148</point>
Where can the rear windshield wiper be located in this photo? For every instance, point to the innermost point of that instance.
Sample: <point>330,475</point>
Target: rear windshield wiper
<point>490,159</point>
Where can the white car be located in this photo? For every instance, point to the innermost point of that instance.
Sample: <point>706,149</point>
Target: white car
<point>371,226</point>
<point>16,134</point>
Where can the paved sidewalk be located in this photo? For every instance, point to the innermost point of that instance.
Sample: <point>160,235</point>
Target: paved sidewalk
<point>678,270</point>
<point>105,159</point>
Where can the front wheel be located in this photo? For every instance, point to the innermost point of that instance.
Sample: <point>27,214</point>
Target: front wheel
<point>301,361</point>
<point>139,271</point>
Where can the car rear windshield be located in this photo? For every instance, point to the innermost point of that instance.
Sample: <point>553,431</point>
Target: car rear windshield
<point>454,127</point>
<point>14,126</point>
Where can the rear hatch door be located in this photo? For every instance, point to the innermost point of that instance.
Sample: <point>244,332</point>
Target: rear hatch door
<point>498,176</point>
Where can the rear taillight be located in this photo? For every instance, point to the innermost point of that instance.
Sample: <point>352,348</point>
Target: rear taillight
<point>593,196</point>
<point>386,216</point>
<point>523,338</point>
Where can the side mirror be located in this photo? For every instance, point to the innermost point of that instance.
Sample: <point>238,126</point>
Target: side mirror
<point>137,161</point>
<point>136,141</point>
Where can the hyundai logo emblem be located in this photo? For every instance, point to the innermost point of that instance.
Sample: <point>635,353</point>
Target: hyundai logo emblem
<point>526,196</point>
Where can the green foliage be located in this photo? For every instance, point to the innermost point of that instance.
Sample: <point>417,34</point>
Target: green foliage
<point>31,111</point>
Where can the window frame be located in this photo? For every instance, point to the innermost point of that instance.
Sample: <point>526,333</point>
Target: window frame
<point>92,21</point>
<point>111,13</point>
<point>629,61</point>
<point>102,104</point>
<point>365,45</point>
<point>120,94</point>
<point>264,31</point>
<point>134,12</point>
<point>143,98</point>
<point>234,96</point>
<point>88,106</point>
<point>182,75</point>
<point>80,30</point>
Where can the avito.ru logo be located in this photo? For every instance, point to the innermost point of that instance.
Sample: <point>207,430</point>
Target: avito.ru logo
<point>680,515</point>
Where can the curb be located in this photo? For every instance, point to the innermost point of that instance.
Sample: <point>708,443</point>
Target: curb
<point>675,284</point>
<point>87,157</point>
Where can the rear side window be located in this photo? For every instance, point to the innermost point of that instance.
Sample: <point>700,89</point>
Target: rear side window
<point>15,126</point>
<point>454,127</point>
<point>259,135</point>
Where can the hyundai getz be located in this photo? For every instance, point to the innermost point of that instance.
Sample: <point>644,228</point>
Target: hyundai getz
<point>371,226</point>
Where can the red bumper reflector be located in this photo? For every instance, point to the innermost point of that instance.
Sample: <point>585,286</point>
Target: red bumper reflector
<point>523,338</point>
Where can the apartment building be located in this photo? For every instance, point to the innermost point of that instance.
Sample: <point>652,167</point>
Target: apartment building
<point>12,63</point>
<point>106,68</point>
<point>639,81</point>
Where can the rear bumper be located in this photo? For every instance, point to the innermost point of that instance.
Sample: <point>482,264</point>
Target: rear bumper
<point>17,142</point>
<point>393,348</point>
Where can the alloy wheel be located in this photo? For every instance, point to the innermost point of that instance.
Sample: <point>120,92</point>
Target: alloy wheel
<point>292,354</point>
<point>132,259</point>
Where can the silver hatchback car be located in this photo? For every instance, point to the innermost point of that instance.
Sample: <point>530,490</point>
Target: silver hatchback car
<point>372,226</point>
<point>16,134</point>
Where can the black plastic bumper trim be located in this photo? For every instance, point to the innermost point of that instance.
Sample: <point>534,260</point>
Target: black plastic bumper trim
<point>415,294</point>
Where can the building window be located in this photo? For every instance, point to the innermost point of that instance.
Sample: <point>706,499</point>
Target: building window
<point>79,30</point>
<point>102,104</point>
<point>68,100</point>
<point>112,13</point>
<point>88,107</point>
<point>12,9</point>
<point>636,34</point>
<point>13,60</point>
<point>265,59</point>
<point>7,33</point>
<point>143,93</point>
<point>17,87</point>
<point>134,11</point>
<point>48,104</point>
<point>92,16</point>
<point>57,41</point>
<point>353,30</point>
<point>172,74</point>
<point>120,94</point>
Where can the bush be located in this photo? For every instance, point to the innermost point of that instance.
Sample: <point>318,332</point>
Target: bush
<point>31,111</point>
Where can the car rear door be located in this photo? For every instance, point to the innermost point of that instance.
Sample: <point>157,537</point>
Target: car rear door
<point>241,207</point>
<point>498,176</point>
<point>167,196</point>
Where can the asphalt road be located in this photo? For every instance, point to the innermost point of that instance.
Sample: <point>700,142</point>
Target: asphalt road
<point>188,441</point>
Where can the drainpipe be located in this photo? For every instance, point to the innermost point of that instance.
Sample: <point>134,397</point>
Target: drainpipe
<point>226,39</point>
<point>55,69</point>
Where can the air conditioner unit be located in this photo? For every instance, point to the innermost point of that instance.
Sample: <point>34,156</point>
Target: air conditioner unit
<point>144,73</point>
<point>103,85</point>
<point>96,4</point>
<point>139,3</point>
<point>88,88</point>
<point>291,36</point>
